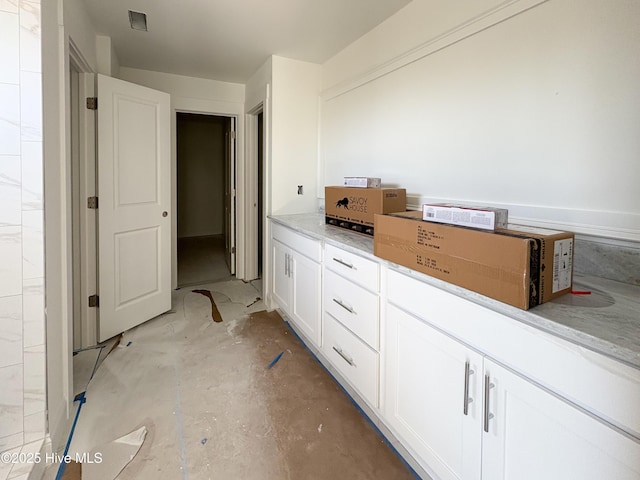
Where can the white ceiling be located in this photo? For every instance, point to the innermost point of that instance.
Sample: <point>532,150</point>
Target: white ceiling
<point>229,40</point>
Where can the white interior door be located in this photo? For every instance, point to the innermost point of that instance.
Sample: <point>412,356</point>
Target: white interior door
<point>230,196</point>
<point>134,226</point>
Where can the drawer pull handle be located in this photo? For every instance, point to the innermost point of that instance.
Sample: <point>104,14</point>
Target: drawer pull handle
<point>467,400</point>
<point>345,357</point>
<point>346,307</point>
<point>342,262</point>
<point>487,416</point>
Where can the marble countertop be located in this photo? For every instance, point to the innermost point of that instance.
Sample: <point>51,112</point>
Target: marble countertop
<point>607,321</point>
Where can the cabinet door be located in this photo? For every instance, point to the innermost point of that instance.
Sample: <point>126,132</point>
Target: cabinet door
<point>425,396</point>
<point>281,281</point>
<point>535,435</point>
<point>307,280</point>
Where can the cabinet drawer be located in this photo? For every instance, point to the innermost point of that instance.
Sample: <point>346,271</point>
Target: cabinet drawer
<point>358,269</point>
<point>352,305</point>
<point>353,359</point>
<point>307,246</point>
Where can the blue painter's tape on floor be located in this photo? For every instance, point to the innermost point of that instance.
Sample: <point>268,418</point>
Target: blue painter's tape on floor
<point>82,399</point>
<point>275,360</point>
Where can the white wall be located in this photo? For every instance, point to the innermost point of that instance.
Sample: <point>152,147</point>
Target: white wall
<point>256,88</point>
<point>201,169</point>
<point>79,29</point>
<point>183,89</point>
<point>106,57</point>
<point>539,111</point>
<point>22,326</point>
<point>294,135</point>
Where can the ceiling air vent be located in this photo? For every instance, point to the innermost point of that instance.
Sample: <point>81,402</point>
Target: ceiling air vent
<point>138,20</point>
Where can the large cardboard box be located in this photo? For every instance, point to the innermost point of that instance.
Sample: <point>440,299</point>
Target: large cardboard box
<point>521,268</point>
<point>354,208</point>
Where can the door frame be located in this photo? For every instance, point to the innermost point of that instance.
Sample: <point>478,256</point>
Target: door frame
<point>251,145</point>
<point>58,226</point>
<point>219,109</point>
<point>230,181</point>
<point>85,253</point>
<point>251,193</point>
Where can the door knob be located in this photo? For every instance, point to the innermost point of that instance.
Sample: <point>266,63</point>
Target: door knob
<point>165,213</point>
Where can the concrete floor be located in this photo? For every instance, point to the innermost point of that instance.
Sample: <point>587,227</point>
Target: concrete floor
<point>213,408</point>
<point>202,260</point>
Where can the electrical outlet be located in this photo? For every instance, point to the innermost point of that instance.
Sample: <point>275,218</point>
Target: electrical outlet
<point>299,189</point>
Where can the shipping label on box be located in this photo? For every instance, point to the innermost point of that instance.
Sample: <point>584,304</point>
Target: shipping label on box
<point>357,206</point>
<point>362,182</point>
<point>504,265</point>
<point>485,218</point>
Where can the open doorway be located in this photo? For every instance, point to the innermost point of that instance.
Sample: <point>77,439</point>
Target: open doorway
<point>206,220</point>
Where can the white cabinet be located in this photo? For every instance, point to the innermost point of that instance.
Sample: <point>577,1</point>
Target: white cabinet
<point>354,359</point>
<point>306,281</point>
<point>433,396</point>
<point>297,280</point>
<point>469,393</point>
<point>351,320</point>
<point>281,281</point>
<point>466,417</point>
<point>533,434</point>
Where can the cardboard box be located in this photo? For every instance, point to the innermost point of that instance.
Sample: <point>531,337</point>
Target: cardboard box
<point>556,259</point>
<point>354,208</point>
<point>520,268</point>
<point>484,218</point>
<point>362,182</point>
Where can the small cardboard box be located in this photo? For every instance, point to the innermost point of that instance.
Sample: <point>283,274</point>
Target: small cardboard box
<point>523,269</point>
<point>362,182</point>
<point>484,218</point>
<point>354,208</point>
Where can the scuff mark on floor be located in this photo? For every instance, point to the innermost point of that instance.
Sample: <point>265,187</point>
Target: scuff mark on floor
<point>215,314</point>
<point>254,302</point>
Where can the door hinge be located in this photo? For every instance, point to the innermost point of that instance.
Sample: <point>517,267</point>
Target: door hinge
<point>94,301</point>
<point>232,133</point>
<point>92,202</point>
<point>233,250</point>
<point>92,103</point>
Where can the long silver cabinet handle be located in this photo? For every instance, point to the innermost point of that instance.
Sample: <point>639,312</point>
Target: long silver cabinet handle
<point>342,262</point>
<point>346,307</point>
<point>344,356</point>
<point>487,416</point>
<point>286,264</point>
<point>467,400</point>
